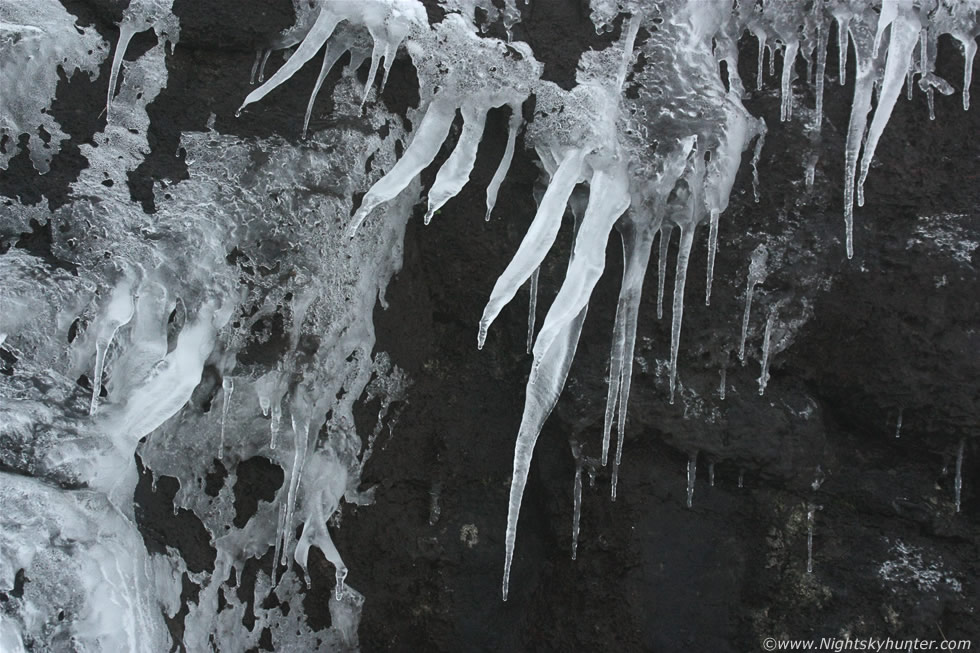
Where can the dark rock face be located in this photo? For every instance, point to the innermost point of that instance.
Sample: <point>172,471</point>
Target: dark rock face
<point>889,335</point>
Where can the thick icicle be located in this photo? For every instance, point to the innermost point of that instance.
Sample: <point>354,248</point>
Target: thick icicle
<point>498,177</point>
<point>425,145</point>
<point>958,480</point>
<point>543,388</point>
<point>904,34</point>
<point>538,239</point>
<point>455,172</point>
<point>757,274</point>
<point>608,199</point>
<point>786,99</point>
<point>692,470</point>
<point>532,308</point>
<point>767,350</point>
<point>665,230</point>
<point>126,34</point>
<point>118,312</point>
<point>324,26</point>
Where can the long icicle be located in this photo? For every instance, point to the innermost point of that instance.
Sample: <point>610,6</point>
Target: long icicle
<point>493,187</point>
<point>330,57</point>
<point>126,34</point>
<point>860,106</point>
<point>665,230</point>
<point>532,307</point>
<point>677,317</point>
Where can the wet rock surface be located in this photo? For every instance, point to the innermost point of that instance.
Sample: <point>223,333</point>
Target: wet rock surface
<point>889,335</point>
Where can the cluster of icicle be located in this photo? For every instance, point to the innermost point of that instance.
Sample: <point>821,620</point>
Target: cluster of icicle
<point>597,136</point>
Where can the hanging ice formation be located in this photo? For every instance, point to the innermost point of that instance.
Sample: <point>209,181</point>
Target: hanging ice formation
<point>701,127</point>
<point>298,413</point>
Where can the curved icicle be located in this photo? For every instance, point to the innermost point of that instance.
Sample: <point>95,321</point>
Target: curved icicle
<point>330,57</point>
<point>498,177</point>
<point>538,240</point>
<point>376,54</point>
<point>543,388</point>
<point>904,34</point>
<point>324,26</point>
<point>455,172</point>
<point>126,34</point>
<point>608,199</point>
<point>425,145</point>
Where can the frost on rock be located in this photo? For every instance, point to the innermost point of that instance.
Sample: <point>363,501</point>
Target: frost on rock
<point>37,39</point>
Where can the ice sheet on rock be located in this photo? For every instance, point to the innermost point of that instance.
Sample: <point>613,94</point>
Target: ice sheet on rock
<point>36,39</point>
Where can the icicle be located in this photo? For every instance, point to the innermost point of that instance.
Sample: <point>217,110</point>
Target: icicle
<point>455,172</point>
<point>498,177</point>
<point>280,527</point>
<point>227,389</point>
<point>677,317</point>
<point>860,106</point>
<point>255,67</point>
<point>341,576</point>
<point>756,155</point>
<point>811,170</point>
<point>665,230</point>
<point>576,498</point>
<point>300,421</point>
<point>969,54</point>
<point>330,57</point>
<point>126,34</point>
<point>901,43</point>
<point>265,60</point>
<point>432,131</point>
<point>274,423</point>
<point>766,347</point>
<point>741,477</point>
<point>721,386</point>
<point>692,468</point>
<point>761,35</point>
<point>711,474</point>
<point>324,26</point>
<point>119,311</point>
<point>532,307</point>
<point>810,510</point>
<point>898,425</point>
<point>786,90</point>
<point>757,274</point>
<point>772,60</point>
<point>842,45</point>
<point>372,71</point>
<point>538,239</point>
<point>712,250</point>
<point>823,34</point>
<point>958,481</point>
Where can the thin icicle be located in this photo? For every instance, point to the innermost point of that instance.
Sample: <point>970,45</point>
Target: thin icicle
<point>761,35</point>
<point>958,481</point>
<point>712,250</point>
<point>265,60</point>
<point>904,34</point>
<point>432,131</point>
<point>538,239</point>
<point>376,53</point>
<point>576,497</point>
<point>498,177</point>
<point>711,474</point>
<point>741,478</point>
<point>692,470</point>
<point>330,57</point>
<point>722,385</point>
<point>126,34</point>
<point>677,317</point>
<point>274,423</point>
<point>823,34</point>
<point>455,172</point>
<point>227,389</point>
<point>898,425</point>
<point>300,421</point>
<point>843,23</point>
<point>760,141</point>
<point>532,307</point>
<point>255,67</point>
<point>810,514</point>
<point>118,312</point>
<point>757,274</point>
<point>665,230</point>
<point>766,350</point>
<point>786,90</point>
<point>969,54</point>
